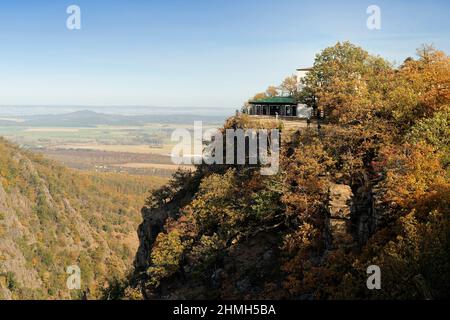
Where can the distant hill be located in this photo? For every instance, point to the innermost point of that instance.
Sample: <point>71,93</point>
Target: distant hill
<point>52,217</point>
<point>89,118</point>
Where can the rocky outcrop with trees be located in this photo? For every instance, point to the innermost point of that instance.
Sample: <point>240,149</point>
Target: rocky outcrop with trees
<point>370,187</point>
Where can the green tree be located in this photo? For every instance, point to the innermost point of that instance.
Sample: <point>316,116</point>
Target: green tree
<point>165,257</point>
<point>434,131</point>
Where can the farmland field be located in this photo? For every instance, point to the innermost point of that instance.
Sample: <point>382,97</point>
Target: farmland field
<point>91,141</point>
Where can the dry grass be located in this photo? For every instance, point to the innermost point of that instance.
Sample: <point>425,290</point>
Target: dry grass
<point>154,166</point>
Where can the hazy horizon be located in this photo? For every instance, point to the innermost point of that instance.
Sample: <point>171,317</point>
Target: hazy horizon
<point>30,110</point>
<point>196,53</point>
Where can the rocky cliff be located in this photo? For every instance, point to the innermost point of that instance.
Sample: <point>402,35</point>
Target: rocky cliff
<point>308,232</point>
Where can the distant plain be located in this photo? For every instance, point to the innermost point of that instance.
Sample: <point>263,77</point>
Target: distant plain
<point>103,142</point>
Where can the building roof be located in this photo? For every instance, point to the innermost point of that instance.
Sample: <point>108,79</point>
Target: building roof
<point>274,100</point>
<point>304,69</point>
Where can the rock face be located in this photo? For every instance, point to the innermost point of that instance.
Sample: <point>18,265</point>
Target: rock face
<point>339,208</point>
<point>368,209</point>
<point>354,212</point>
<point>363,214</point>
<point>340,201</point>
<point>245,267</point>
<point>152,225</point>
<point>153,221</point>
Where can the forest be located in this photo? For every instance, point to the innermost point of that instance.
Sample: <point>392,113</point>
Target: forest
<point>52,217</point>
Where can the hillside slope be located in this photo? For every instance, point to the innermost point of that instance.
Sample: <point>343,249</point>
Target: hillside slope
<point>340,203</point>
<point>52,217</point>
<point>368,186</point>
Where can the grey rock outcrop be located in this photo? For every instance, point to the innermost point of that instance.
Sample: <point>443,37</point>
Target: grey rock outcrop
<point>153,223</point>
<point>339,208</point>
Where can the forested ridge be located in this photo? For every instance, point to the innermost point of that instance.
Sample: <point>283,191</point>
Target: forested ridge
<point>52,217</point>
<point>370,187</point>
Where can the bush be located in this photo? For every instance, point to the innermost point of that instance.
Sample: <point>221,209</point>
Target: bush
<point>165,257</point>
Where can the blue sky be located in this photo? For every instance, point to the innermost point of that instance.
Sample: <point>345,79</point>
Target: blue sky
<point>214,53</point>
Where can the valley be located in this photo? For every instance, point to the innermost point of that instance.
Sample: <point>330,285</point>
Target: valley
<point>100,142</point>
<point>53,217</point>
<point>72,186</point>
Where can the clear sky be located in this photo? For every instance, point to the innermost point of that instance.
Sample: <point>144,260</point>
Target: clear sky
<point>190,52</point>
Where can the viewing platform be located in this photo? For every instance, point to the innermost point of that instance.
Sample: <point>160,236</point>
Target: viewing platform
<point>289,123</point>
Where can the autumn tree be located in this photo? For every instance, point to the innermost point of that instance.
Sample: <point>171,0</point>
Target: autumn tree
<point>290,85</point>
<point>420,87</point>
<point>272,91</point>
<point>346,82</point>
